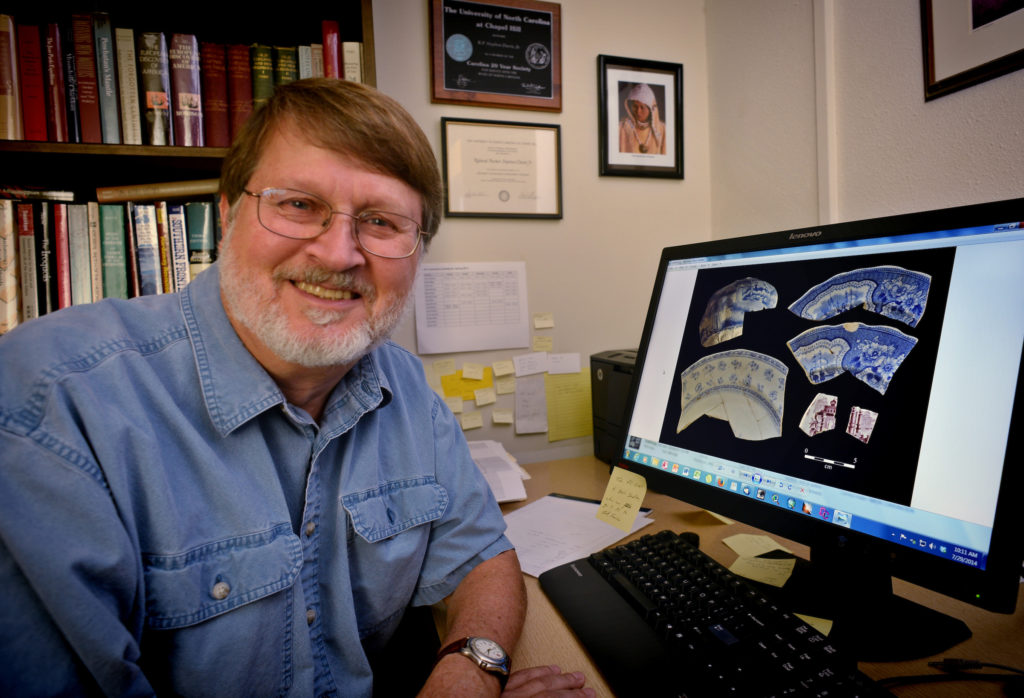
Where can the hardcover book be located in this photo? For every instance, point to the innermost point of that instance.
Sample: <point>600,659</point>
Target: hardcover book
<point>214,73</point>
<point>286,64</point>
<point>95,250</point>
<point>56,96</point>
<point>27,262</point>
<point>10,288</point>
<point>332,48</point>
<point>305,54</point>
<point>352,60</point>
<point>71,105</point>
<point>317,54</point>
<point>147,249</point>
<point>61,253</point>
<point>201,236</point>
<point>115,259</point>
<point>83,46</point>
<point>239,86</point>
<point>186,90</point>
<point>131,251</point>
<point>262,74</point>
<point>45,265</point>
<point>128,86</point>
<point>10,91</point>
<point>78,254</point>
<point>177,232</point>
<point>33,88</point>
<point>164,247</point>
<point>108,94</point>
<point>154,88</point>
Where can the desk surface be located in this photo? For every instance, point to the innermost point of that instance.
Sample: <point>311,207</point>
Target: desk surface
<point>546,639</point>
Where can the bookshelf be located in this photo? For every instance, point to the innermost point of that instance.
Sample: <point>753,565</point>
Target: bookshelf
<point>83,167</point>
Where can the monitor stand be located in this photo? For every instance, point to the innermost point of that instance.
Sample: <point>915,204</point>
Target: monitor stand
<point>852,586</point>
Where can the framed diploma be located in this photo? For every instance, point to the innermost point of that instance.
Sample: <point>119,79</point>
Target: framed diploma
<point>497,54</point>
<point>640,117</point>
<point>501,169</point>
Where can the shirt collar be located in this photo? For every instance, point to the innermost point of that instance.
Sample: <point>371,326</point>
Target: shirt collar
<point>235,385</point>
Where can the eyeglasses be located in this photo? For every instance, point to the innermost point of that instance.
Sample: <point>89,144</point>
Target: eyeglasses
<point>303,216</point>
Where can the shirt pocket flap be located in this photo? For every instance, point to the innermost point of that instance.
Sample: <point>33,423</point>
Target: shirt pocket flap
<point>395,507</point>
<point>190,587</point>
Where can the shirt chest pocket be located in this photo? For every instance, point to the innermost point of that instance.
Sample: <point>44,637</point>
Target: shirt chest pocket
<point>395,507</point>
<point>190,587</point>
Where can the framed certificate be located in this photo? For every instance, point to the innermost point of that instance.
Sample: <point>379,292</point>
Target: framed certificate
<point>501,169</point>
<point>497,54</point>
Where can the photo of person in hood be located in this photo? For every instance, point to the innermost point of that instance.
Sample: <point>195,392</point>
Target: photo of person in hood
<point>641,129</point>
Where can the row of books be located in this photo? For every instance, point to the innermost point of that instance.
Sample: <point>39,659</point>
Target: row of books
<point>88,80</point>
<point>54,253</point>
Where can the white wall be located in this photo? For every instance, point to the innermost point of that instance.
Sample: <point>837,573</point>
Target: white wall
<point>593,268</point>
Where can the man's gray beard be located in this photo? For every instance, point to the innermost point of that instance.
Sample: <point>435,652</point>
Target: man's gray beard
<point>258,313</point>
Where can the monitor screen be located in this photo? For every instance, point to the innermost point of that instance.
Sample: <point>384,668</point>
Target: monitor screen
<point>852,386</point>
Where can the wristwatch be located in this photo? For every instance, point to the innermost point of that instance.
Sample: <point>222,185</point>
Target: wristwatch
<point>487,654</point>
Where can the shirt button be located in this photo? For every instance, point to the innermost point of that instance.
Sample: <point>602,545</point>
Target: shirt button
<point>310,527</point>
<point>220,591</point>
<point>310,616</point>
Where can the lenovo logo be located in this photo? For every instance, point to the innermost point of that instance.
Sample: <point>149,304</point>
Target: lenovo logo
<point>801,236</point>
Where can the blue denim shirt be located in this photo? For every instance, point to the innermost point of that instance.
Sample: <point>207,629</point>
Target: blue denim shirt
<point>169,523</point>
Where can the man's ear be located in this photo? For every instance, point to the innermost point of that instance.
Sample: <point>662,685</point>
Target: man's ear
<point>224,210</point>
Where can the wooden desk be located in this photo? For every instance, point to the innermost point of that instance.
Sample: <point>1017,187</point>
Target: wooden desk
<point>547,640</point>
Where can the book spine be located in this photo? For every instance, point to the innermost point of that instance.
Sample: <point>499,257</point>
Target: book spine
<point>61,254</point>
<point>286,64</point>
<point>186,90</point>
<point>115,258</point>
<point>56,96</point>
<point>201,236</point>
<point>176,229</point>
<point>10,287</point>
<point>154,88</point>
<point>33,89</point>
<point>316,52</point>
<point>305,54</point>
<point>134,286</point>
<point>164,246</point>
<point>147,249</point>
<point>239,86</point>
<point>108,94</point>
<point>74,118</point>
<point>46,277</point>
<point>88,81</point>
<point>95,250</point>
<point>214,72</point>
<point>11,127</point>
<point>352,60</point>
<point>78,254</point>
<point>128,86</point>
<point>262,74</point>
<point>332,48</point>
<point>27,259</point>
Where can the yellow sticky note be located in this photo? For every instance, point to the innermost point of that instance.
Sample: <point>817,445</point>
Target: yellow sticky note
<point>484,396</point>
<point>724,519</point>
<point>542,343</point>
<point>454,403</point>
<point>570,412</point>
<point>543,321</point>
<point>822,625</point>
<point>752,545</point>
<point>774,571</point>
<point>506,385</point>
<point>473,371</point>
<point>444,367</point>
<point>505,367</point>
<point>471,420</point>
<point>460,385</point>
<point>622,499</point>
<point>503,416</point>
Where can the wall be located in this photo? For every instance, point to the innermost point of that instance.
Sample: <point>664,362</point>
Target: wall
<point>593,268</point>
<point>817,101</point>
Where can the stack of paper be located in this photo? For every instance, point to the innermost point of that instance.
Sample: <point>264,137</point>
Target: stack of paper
<point>500,469</point>
<point>557,529</point>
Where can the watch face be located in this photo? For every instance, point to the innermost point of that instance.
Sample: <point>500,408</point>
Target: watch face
<point>488,648</point>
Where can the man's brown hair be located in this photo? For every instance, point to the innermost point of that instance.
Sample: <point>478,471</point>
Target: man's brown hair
<point>347,118</point>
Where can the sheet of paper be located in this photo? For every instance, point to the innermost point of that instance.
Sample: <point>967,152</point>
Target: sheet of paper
<point>564,363</point>
<point>531,405</point>
<point>570,411</point>
<point>500,470</point>
<point>774,571</point>
<point>622,499</point>
<point>472,306</point>
<point>529,364</point>
<point>554,530</point>
<point>752,545</point>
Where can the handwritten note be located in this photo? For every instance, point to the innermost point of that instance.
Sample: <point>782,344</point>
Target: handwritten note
<point>543,321</point>
<point>471,420</point>
<point>505,367</point>
<point>774,571</point>
<point>622,499</point>
<point>472,371</point>
<point>542,343</point>
<point>484,396</point>
<point>502,416</point>
<point>752,545</point>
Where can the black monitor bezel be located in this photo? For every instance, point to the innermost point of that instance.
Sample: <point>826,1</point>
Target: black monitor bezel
<point>996,587</point>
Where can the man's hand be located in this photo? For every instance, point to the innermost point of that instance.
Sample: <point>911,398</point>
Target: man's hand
<point>545,681</point>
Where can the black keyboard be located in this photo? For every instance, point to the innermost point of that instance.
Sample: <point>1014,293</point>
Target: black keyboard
<point>660,618</point>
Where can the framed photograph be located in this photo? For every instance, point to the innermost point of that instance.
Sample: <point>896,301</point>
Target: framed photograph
<point>501,169</point>
<point>969,41</point>
<point>640,117</point>
<point>497,54</point>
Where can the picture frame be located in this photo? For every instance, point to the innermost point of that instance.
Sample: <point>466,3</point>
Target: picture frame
<point>626,148</point>
<point>506,53</point>
<point>966,43</point>
<point>501,169</point>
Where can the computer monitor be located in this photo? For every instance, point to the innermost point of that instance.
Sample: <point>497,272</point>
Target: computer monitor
<point>856,387</point>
